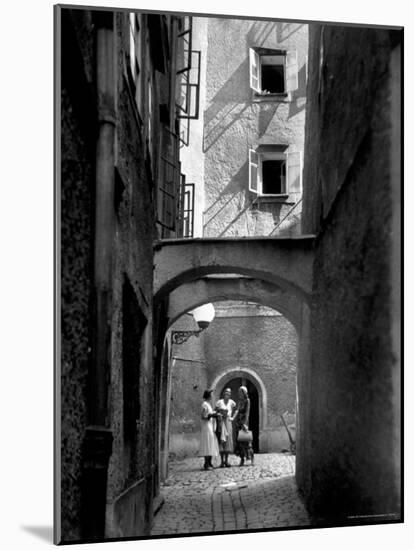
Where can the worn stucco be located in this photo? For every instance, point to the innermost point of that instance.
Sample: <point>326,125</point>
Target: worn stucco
<point>234,122</point>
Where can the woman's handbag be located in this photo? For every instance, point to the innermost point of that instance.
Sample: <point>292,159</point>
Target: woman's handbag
<point>244,436</point>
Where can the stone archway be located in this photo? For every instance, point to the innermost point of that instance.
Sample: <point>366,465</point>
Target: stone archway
<point>224,378</point>
<point>285,262</point>
<point>190,295</point>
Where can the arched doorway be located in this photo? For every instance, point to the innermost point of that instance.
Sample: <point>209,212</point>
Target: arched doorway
<point>254,420</point>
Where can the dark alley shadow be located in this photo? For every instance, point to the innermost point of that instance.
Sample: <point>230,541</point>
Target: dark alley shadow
<point>43,532</point>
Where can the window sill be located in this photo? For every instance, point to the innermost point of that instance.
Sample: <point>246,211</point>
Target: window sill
<point>273,198</point>
<point>260,97</point>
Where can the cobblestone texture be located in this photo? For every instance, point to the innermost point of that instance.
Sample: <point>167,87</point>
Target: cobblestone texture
<point>230,499</point>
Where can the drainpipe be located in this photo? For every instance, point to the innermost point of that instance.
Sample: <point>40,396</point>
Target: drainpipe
<point>98,437</point>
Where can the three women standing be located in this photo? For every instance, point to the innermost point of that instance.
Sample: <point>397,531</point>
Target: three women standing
<point>223,413</point>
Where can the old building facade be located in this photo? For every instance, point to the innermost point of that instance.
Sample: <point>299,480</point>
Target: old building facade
<point>120,179</point>
<point>249,183</point>
<point>319,298</point>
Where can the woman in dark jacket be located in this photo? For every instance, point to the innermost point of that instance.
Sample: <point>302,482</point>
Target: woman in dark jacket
<point>243,449</point>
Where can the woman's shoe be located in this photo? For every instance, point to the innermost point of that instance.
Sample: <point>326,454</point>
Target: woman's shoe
<point>241,462</point>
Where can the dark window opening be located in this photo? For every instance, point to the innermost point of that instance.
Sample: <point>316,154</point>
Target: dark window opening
<point>273,177</point>
<point>254,421</point>
<point>133,326</point>
<point>273,79</point>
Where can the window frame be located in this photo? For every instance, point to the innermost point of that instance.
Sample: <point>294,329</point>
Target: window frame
<point>290,72</point>
<point>263,157</point>
<point>293,160</point>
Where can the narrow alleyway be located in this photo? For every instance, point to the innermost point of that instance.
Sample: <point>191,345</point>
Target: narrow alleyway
<point>230,499</point>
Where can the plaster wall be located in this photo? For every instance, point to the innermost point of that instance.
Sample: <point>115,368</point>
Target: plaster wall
<point>352,366</point>
<point>236,121</point>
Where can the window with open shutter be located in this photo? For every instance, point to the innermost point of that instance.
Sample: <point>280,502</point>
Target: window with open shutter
<point>294,172</point>
<point>253,171</point>
<point>291,71</point>
<point>132,48</point>
<point>254,71</point>
<point>169,179</point>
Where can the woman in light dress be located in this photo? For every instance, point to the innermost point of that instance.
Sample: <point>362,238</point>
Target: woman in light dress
<point>224,407</point>
<point>208,439</point>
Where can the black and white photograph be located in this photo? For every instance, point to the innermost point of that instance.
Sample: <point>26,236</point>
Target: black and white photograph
<point>228,228</point>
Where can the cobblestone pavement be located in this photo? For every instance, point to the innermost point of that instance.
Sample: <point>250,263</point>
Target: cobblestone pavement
<point>230,499</point>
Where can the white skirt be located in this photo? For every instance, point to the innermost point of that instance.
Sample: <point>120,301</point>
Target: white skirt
<point>208,439</point>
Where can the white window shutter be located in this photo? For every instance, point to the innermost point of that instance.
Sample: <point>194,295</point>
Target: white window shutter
<point>294,172</point>
<point>291,71</point>
<point>254,71</point>
<point>132,53</point>
<point>253,171</point>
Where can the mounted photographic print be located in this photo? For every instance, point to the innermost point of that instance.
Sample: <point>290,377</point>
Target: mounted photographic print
<point>228,215</point>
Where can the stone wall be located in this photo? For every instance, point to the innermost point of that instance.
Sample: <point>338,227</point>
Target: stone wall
<point>78,125</point>
<point>133,457</point>
<point>133,400</point>
<point>349,463</point>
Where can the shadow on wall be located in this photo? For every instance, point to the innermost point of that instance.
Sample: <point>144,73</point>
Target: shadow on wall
<point>236,189</point>
<point>266,114</point>
<point>236,90</point>
<point>226,116</point>
<point>260,31</point>
<point>234,97</point>
<point>285,30</point>
<point>298,102</point>
<point>227,106</point>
